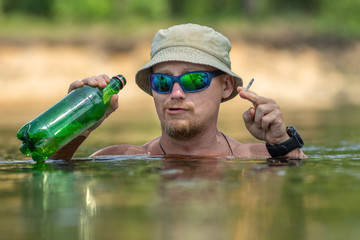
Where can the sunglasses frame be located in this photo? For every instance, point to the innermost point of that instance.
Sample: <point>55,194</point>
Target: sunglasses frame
<point>210,76</point>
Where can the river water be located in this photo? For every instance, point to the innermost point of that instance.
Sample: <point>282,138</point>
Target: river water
<point>150,197</point>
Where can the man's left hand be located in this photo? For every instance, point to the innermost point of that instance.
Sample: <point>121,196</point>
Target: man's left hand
<point>264,120</point>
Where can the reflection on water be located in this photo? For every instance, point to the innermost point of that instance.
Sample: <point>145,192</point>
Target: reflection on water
<point>149,197</point>
<point>133,197</point>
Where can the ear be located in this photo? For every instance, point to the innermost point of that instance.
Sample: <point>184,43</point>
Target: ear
<point>227,85</point>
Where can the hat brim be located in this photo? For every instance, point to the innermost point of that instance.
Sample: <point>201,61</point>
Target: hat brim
<point>184,54</point>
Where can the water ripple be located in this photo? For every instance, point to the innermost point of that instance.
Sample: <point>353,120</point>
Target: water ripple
<point>342,150</point>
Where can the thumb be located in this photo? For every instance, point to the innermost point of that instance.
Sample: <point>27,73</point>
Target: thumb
<point>113,105</point>
<point>114,102</point>
<point>249,116</point>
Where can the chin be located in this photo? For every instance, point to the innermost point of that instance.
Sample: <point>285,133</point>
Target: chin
<point>182,129</point>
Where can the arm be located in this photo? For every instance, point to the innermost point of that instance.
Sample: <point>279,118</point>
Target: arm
<point>67,151</point>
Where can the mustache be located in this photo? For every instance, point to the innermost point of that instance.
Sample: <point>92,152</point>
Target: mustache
<point>178,104</point>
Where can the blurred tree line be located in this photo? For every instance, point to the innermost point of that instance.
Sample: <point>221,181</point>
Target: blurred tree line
<point>339,14</point>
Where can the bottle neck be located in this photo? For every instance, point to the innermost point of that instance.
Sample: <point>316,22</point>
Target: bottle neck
<point>112,88</point>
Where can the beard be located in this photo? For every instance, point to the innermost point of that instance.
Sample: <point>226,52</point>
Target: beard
<point>182,129</point>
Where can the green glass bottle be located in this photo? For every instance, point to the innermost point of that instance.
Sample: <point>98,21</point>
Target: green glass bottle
<point>67,119</point>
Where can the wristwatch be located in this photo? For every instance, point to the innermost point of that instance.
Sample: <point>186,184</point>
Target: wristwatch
<point>282,149</point>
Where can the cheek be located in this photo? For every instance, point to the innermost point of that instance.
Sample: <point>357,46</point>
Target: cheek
<point>207,106</point>
<point>158,104</point>
<point>211,97</point>
<point>216,90</point>
<point>208,101</point>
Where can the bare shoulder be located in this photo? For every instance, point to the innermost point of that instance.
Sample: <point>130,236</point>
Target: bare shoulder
<point>128,149</point>
<point>257,150</point>
<point>248,150</point>
<point>123,149</point>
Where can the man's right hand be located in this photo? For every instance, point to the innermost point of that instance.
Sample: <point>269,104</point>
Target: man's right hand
<point>100,81</point>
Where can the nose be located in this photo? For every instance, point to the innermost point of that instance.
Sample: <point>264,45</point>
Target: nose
<point>177,91</point>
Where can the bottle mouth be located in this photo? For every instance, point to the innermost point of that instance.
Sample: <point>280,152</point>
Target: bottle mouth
<point>120,80</point>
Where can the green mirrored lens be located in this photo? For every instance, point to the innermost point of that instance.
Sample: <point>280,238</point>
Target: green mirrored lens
<point>194,81</point>
<point>161,83</point>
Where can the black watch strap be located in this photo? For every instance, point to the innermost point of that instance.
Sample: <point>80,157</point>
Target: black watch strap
<point>284,148</point>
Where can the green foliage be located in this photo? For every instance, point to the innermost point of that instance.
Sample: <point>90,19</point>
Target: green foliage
<point>304,6</point>
<point>29,7</point>
<point>86,10</point>
<point>82,10</point>
<point>339,16</point>
<point>155,9</point>
<point>343,16</point>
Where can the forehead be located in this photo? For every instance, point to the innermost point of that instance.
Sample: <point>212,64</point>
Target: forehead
<point>175,66</point>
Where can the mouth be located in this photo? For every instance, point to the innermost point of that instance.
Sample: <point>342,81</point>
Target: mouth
<point>175,110</point>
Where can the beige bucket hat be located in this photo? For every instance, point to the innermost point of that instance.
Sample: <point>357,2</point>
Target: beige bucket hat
<point>189,43</point>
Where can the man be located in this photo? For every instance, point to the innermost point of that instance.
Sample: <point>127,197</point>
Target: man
<point>189,75</point>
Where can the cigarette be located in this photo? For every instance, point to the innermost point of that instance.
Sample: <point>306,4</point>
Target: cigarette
<point>249,85</point>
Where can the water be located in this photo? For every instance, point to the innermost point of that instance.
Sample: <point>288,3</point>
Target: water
<point>150,197</point>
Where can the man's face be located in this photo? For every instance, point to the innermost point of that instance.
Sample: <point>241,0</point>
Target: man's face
<point>184,115</point>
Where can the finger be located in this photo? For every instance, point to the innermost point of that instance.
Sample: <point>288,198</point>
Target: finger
<point>273,120</point>
<point>74,85</point>
<point>90,81</point>
<point>253,97</point>
<point>263,110</point>
<point>267,120</point>
<point>97,81</point>
<point>105,77</point>
<point>248,117</point>
<point>102,80</point>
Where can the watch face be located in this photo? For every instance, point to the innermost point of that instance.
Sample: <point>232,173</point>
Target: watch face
<point>293,133</point>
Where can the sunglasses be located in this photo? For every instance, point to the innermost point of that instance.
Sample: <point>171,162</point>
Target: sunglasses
<point>189,82</point>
